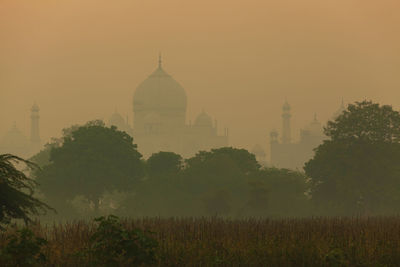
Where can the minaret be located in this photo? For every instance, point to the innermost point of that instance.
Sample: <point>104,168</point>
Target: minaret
<point>35,136</point>
<point>286,132</point>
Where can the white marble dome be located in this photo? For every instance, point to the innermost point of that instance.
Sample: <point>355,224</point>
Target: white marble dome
<point>159,92</point>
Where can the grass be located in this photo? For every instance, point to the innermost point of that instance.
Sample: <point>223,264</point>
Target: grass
<point>373,241</point>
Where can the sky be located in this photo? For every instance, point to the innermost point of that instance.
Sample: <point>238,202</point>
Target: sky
<point>238,60</point>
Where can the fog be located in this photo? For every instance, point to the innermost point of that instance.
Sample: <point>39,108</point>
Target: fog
<point>239,60</point>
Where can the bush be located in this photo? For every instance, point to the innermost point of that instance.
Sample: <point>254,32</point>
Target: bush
<point>113,245</point>
<point>23,249</point>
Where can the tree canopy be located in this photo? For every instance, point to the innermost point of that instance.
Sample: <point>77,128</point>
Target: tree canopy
<point>357,170</point>
<point>91,160</point>
<point>164,164</point>
<point>366,121</point>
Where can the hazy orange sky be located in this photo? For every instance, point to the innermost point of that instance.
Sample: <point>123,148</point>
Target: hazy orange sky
<point>80,59</point>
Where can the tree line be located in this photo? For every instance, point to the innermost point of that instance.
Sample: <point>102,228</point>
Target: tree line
<point>355,171</point>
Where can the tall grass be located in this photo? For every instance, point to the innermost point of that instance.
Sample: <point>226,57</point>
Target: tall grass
<point>373,241</point>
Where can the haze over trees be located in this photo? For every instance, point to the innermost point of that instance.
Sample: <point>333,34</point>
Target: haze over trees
<point>354,171</point>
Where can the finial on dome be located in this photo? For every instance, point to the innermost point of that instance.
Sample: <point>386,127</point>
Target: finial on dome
<point>159,60</point>
<point>315,117</point>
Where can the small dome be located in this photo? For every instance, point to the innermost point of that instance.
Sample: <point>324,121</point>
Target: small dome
<point>203,120</point>
<point>315,127</point>
<point>14,138</point>
<point>117,120</point>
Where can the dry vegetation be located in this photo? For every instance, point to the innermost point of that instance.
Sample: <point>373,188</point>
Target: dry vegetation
<point>371,241</point>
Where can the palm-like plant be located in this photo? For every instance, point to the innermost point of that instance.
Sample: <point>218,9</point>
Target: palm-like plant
<point>16,191</point>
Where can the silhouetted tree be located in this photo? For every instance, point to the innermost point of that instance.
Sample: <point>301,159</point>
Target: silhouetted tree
<point>357,170</point>
<point>91,160</point>
<point>226,169</point>
<point>160,193</point>
<point>277,192</point>
<point>164,164</point>
<point>16,191</point>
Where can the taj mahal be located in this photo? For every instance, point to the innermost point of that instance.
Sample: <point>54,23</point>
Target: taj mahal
<point>159,119</point>
<point>160,124</point>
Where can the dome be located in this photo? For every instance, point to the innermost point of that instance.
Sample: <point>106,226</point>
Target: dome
<point>117,120</point>
<point>315,127</point>
<point>159,92</point>
<point>14,139</point>
<point>203,120</point>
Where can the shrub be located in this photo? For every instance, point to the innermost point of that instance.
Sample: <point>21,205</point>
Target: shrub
<point>113,245</point>
<point>23,249</point>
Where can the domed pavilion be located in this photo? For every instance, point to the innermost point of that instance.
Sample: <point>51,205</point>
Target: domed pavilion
<point>160,119</point>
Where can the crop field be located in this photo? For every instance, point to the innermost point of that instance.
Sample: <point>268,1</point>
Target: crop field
<point>373,241</point>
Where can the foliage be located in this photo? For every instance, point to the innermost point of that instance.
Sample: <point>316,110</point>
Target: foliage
<point>223,181</point>
<point>277,192</point>
<point>164,164</point>
<point>113,245</point>
<point>91,160</point>
<point>217,203</point>
<point>366,121</point>
<point>220,170</point>
<point>16,191</point>
<point>23,249</point>
<point>357,170</point>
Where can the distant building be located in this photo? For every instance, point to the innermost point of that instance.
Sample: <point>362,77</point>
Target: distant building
<point>118,121</point>
<point>159,119</point>
<point>260,154</point>
<point>15,142</point>
<point>293,155</point>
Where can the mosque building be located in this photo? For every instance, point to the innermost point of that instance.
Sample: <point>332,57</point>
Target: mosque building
<point>16,143</point>
<point>159,119</point>
<point>285,153</point>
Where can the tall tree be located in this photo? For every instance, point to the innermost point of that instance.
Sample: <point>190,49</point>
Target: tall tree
<point>226,170</point>
<point>357,170</point>
<point>16,191</point>
<point>91,160</point>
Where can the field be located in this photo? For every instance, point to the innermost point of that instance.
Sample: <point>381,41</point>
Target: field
<point>373,241</point>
